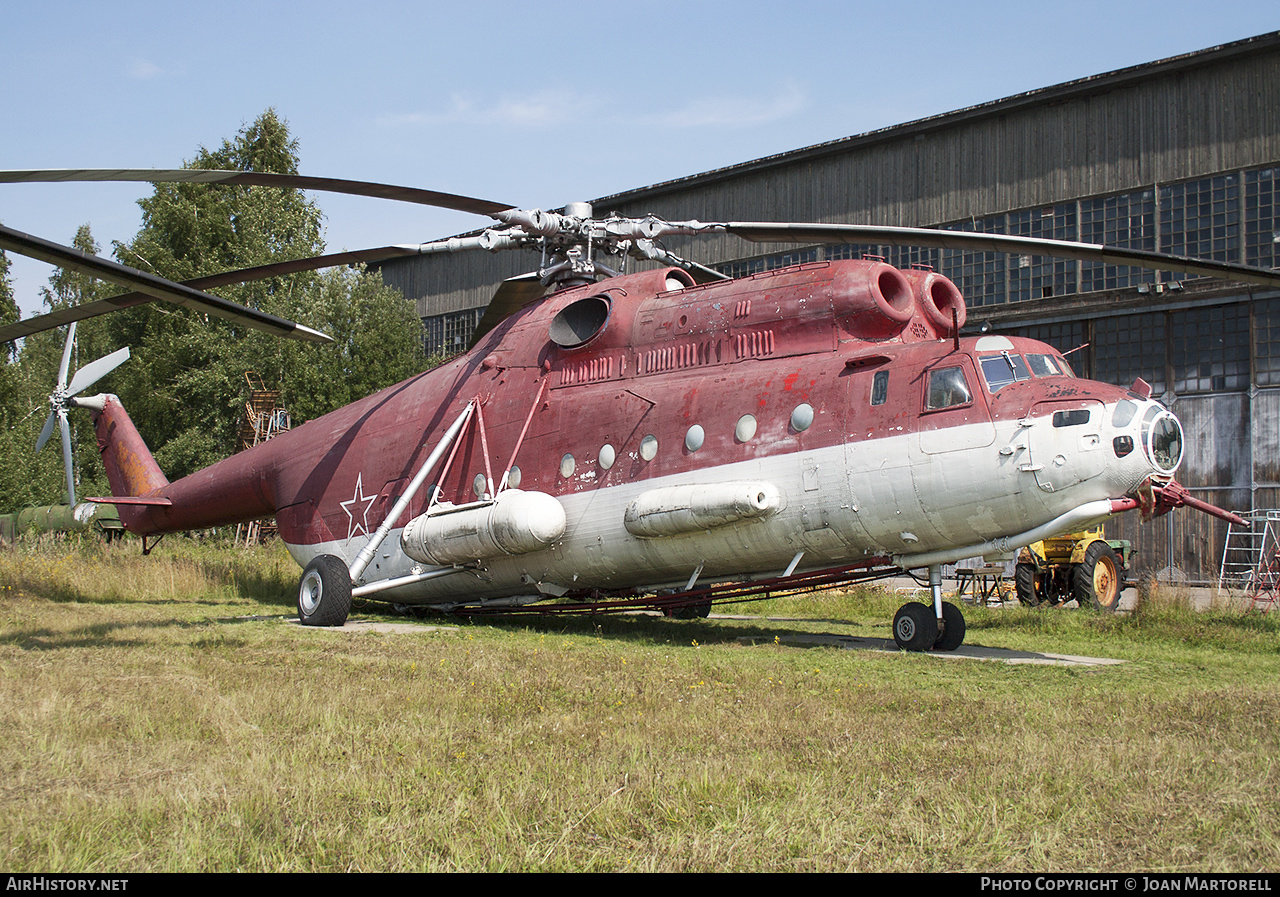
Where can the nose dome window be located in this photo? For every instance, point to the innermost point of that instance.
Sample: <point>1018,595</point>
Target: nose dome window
<point>1162,439</point>
<point>1166,443</point>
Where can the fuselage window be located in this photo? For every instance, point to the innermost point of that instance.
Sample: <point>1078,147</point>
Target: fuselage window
<point>1073,418</point>
<point>947,388</point>
<point>880,388</point>
<point>1003,369</point>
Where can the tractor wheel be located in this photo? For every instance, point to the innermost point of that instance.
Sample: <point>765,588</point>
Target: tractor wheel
<point>1024,581</point>
<point>324,594</point>
<point>1099,578</point>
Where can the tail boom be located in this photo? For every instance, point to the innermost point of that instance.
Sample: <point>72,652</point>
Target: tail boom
<point>231,491</point>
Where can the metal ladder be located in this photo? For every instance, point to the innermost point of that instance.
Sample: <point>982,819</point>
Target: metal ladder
<point>1247,553</point>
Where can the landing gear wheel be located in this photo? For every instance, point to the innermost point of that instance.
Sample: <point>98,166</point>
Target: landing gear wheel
<point>1024,581</point>
<point>692,611</point>
<point>915,628</point>
<point>1098,579</point>
<point>953,636</point>
<point>324,594</point>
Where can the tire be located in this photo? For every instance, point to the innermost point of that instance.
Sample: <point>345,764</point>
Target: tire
<point>324,593</point>
<point>1024,581</point>
<point>953,636</point>
<point>1098,580</point>
<point>915,628</point>
<point>692,611</point>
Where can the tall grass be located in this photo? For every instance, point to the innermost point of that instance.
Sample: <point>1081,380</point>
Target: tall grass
<point>162,715</point>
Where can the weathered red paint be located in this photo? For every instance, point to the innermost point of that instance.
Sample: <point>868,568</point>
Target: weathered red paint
<point>664,358</point>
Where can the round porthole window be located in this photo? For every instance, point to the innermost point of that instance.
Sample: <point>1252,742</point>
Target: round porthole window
<point>513,478</point>
<point>480,485</point>
<point>567,466</point>
<point>607,456</point>
<point>802,417</point>
<point>745,431</point>
<point>649,447</point>
<point>694,438</point>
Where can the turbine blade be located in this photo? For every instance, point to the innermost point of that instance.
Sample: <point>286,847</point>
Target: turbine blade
<point>94,371</point>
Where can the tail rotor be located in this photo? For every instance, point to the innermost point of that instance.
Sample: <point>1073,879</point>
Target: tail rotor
<point>63,396</point>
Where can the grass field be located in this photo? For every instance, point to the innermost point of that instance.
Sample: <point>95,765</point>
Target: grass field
<point>163,714</point>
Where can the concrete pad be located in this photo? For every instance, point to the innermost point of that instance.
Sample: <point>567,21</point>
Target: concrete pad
<point>964,652</point>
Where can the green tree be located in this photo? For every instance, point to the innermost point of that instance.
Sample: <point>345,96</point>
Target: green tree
<point>8,376</point>
<point>28,478</point>
<point>186,388</point>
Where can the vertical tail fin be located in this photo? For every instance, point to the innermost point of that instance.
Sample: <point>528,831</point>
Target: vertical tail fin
<point>130,467</point>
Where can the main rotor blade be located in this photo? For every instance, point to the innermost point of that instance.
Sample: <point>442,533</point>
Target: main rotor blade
<point>258,179</point>
<point>158,287</point>
<point>93,372</point>
<point>66,355</point>
<point>512,294</point>
<point>98,307</point>
<point>760,232</point>
<point>67,465</point>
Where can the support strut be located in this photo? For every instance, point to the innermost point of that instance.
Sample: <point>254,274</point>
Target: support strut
<point>366,554</point>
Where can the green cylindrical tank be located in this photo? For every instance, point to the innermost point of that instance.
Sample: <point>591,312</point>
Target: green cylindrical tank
<point>85,517</point>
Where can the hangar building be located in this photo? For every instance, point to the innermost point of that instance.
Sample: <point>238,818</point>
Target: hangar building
<point>1180,156</point>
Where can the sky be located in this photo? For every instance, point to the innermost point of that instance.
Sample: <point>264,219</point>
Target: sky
<point>530,104</point>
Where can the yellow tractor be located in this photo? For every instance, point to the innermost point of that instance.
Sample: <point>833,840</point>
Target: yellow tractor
<point>1085,567</point>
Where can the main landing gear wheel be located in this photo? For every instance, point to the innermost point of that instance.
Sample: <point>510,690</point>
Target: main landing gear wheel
<point>952,636</point>
<point>324,594</point>
<point>915,628</point>
<point>693,611</point>
<point>1098,579</point>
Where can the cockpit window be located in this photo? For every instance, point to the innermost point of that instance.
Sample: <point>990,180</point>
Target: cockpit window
<point>947,388</point>
<point>1003,369</point>
<point>1125,410</point>
<point>1047,366</point>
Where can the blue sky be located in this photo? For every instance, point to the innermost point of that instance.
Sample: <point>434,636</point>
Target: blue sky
<point>532,104</point>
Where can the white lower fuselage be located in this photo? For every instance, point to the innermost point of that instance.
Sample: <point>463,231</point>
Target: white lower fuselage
<point>921,490</point>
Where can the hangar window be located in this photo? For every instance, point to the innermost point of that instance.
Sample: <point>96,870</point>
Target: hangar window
<point>1210,348</point>
<point>1127,220</point>
<point>1266,334</point>
<point>1261,229</point>
<point>448,334</point>
<point>1035,276</point>
<point>979,275</point>
<point>1129,346</point>
<point>1201,219</point>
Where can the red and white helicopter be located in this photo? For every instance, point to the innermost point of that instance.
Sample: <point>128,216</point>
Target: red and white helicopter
<point>662,433</point>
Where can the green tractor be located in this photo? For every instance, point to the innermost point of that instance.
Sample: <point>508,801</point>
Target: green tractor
<point>1085,567</point>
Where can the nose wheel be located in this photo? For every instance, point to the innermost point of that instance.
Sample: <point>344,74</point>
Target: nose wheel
<point>919,627</point>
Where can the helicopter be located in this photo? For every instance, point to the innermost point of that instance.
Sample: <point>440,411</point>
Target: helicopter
<point>666,437</point>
